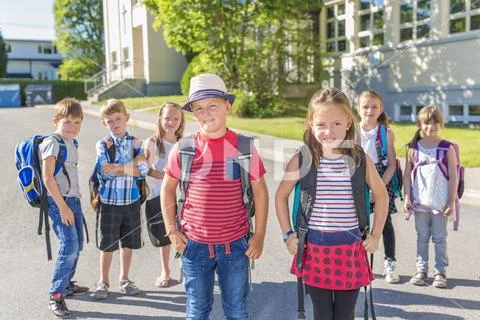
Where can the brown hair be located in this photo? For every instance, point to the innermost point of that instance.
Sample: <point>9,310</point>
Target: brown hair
<point>329,97</point>
<point>112,106</point>
<point>382,118</point>
<point>427,114</point>
<point>68,107</point>
<point>160,133</point>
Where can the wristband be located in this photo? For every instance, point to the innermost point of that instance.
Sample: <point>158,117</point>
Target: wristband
<point>287,235</point>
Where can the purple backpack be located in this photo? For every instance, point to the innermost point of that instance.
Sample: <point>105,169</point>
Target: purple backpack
<point>442,162</point>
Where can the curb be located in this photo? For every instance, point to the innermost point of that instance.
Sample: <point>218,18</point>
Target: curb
<point>469,196</point>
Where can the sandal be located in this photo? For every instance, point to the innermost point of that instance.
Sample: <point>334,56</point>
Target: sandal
<point>163,282</point>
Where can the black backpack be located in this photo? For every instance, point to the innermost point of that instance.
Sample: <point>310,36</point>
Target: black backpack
<point>304,198</point>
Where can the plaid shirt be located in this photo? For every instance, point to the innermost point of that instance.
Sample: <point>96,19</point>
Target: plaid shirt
<point>120,190</point>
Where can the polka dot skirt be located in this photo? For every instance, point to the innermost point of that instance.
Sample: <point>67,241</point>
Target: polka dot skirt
<point>339,267</point>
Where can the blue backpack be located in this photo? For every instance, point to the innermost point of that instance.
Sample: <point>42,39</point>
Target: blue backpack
<point>27,160</point>
<point>397,178</point>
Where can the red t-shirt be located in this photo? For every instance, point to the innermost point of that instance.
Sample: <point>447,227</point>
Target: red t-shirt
<point>214,212</point>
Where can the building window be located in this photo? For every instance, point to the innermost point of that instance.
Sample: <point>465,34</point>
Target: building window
<point>114,60</point>
<point>474,110</point>
<point>371,23</point>
<point>415,19</point>
<point>335,28</point>
<point>464,15</point>
<point>8,47</point>
<point>55,50</point>
<point>126,58</point>
<point>47,49</point>
<point>455,110</point>
<point>405,110</point>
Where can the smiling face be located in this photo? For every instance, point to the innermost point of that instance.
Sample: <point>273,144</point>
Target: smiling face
<point>116,123</point>
<point>68,127</point>
<point>430,129</point>
<point>211,115</point>
<point>369,108</point>
<point>170,120</point>
<point>329,125</point>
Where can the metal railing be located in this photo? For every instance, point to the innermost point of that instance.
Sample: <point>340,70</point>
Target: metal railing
<point>96,81</point>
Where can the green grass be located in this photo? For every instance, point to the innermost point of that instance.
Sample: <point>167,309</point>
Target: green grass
<point>292,127</point>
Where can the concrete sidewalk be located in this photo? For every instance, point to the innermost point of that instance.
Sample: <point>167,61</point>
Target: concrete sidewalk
<point>272,148</point>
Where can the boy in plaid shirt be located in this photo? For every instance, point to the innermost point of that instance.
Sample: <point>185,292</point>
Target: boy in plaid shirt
<point>121,162</point>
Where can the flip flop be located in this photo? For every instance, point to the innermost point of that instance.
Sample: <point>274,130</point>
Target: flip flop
<point>163,282</point>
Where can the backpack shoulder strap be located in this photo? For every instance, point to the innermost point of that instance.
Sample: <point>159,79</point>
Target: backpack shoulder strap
<point>358,180</point>
<point>307,182</point>
<point>244,147</point>
<point>441,156</point>
<point>186,150</point>
<point>109,146</point>
<point>382,138</point>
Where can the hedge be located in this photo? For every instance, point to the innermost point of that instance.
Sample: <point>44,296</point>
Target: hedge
<point>60,88</point>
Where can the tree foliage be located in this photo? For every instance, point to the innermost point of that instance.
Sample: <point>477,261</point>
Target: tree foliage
<point>256,46</point>
<point>79,31</point>
<point>3,57</point>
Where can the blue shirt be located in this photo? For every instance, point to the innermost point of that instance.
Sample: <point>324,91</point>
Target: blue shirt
<point>119,190</point>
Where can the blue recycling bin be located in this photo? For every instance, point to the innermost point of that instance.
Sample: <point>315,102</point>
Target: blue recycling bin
<point>10,95</point>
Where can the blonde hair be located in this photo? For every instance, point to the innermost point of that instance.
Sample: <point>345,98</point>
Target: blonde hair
<point>68,107</point>
<point>427,114</point>
<point>112,106</point>
<point>382,118</point>
<point>331,97</point>
<point>160,133</point>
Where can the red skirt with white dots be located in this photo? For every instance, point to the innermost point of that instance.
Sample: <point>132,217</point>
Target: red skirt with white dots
<point>331,262</point>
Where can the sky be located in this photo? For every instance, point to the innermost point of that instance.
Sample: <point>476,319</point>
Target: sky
<point>27,19</point>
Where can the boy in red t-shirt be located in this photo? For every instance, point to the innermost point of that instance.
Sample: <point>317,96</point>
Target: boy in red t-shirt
<point>214,221</point>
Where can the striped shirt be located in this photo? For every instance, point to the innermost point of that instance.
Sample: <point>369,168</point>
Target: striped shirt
<point>214,212</point>
<point>120,190</point>
<point>334,208</point>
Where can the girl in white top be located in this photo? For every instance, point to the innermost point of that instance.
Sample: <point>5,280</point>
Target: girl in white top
<point>170,128</point>
<point>430,195</point>
<point>370,108</point>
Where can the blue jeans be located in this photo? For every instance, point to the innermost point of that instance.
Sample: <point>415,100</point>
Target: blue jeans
<point>199,263</point>
<point>434,226</point>
<point>71,243</point>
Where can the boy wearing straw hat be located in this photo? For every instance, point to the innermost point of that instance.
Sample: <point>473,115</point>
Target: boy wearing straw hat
<point>213,230</point>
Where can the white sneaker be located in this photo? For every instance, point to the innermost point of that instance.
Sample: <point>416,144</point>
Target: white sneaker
<point>390,271</point>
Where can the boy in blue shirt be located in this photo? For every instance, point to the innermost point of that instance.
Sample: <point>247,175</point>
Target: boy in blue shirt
<point>64,206</point>
<point>118,219</point>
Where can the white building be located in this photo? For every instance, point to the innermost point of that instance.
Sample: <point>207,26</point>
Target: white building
<point>414,52</point>
<point>138,61</point>
<point>32,59</point>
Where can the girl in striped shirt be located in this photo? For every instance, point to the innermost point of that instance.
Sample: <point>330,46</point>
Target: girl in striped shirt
<point>335,262</point>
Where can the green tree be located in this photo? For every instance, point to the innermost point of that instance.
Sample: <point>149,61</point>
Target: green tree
<point>248,42</point>
<point>3,57</point>
<point>79,31</point>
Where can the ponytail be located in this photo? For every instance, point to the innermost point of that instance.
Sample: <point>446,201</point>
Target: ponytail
<point>383,119</point>
<point>415,139</point>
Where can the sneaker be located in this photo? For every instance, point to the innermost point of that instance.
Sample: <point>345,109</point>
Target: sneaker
<point>390,271</point>
<point>440,281</point>
<point>127,287</point>
<point>419,279</point>
<point>74,289</point>
<point>59,308</point>
<point>101,293</point>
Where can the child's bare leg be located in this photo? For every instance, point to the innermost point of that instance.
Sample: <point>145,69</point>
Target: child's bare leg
<point>125,261</point>
<point>105,263</point>
<point>165,260</point>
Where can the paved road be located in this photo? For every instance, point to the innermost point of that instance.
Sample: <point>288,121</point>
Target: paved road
<point>25,273</point>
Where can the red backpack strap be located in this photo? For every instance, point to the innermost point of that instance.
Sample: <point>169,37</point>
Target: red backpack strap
<point>442,158</point>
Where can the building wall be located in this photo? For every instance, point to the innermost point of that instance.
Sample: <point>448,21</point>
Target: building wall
<point>129,25</point>
<point>409,74</point>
